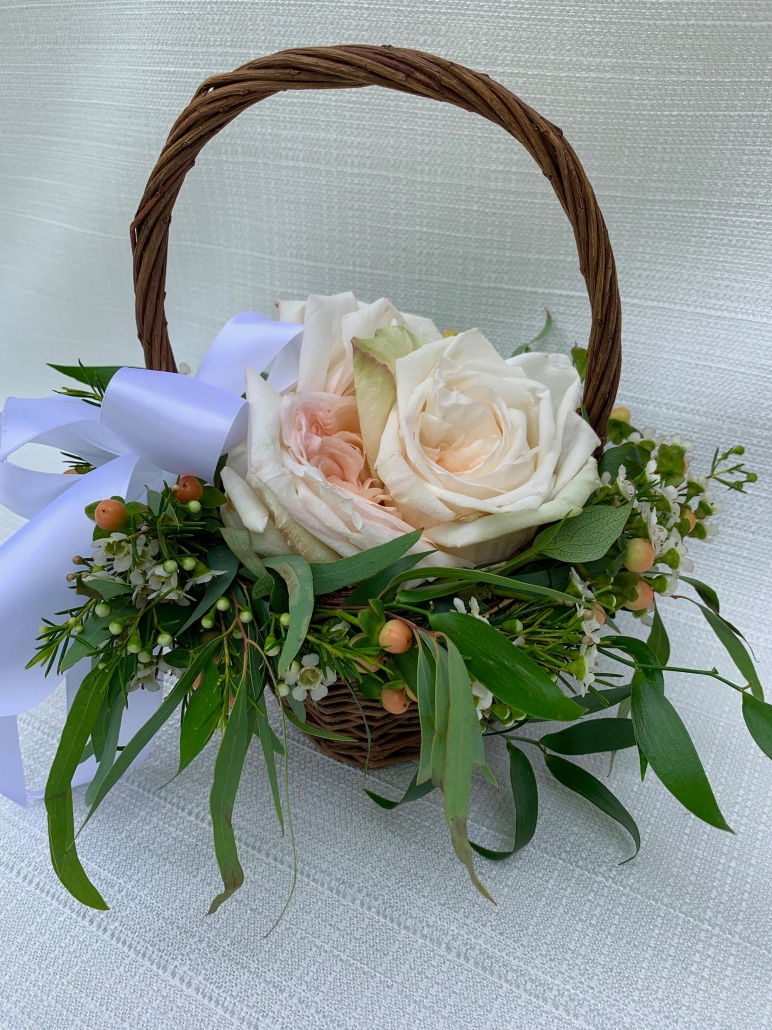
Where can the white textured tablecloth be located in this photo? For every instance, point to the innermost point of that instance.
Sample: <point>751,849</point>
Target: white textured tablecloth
<point>668,106</point>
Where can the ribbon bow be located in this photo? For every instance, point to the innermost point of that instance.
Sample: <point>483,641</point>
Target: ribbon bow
<point>151,427</point>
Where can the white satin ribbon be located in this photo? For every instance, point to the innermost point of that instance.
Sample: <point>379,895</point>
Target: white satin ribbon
<point>151,427</point>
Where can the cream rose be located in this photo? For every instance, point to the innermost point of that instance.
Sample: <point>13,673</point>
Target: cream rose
<point>392,427</point>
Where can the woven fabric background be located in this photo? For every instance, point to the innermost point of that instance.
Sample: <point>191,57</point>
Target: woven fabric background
<point>667,103</point>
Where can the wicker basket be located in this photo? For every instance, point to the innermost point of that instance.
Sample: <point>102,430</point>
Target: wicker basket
<point>217,101</point>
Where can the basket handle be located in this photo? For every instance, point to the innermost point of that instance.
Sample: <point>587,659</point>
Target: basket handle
<point>219,99</point>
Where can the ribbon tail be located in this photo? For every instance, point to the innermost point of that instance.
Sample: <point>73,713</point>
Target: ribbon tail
<point>12,782</point>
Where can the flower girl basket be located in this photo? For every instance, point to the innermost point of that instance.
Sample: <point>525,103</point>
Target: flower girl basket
<point>378,737</point>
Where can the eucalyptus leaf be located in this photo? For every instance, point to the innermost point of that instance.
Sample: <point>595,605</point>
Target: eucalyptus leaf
<point>511,586</point>
<point>463,730</point>
<point>211,497</point>
<point>613,696</point>
<point>228,767</point>
<point>109,748</point>
<point>239,542</point>
<point>201,716</point>
<point>297,576</point>
<point>589,787</point>
<point>377,584</point>
<point>107,588</point>
<point>331,576</point>
<point>265,736</point>
<point>58,792</point>
<point>590,534</point>
<point>147,731</point>
<point>503,668</point>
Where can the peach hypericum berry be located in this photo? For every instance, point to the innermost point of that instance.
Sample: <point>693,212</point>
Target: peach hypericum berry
<point>640,555</point>
<point>644,597</point>
<point>394,701</point>
<point>110,514</point>
<point>621,414</point>
<point>395,637</point>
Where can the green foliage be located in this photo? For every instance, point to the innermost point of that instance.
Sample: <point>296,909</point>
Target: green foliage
<point>504,669</point>
<point>587,738</point>
<point>589,535</point>
<point>297,576</point>
<point>758,719</point>
<point>525,795</point>
<point>331,576</point>
<point>589,787</point>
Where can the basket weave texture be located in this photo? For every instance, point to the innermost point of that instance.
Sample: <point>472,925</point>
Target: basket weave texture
<point>217,101</point>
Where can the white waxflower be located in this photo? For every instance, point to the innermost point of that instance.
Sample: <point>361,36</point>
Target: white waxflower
<point>625,485</point>
<point>483,698</point>
<point>474,608</point>
<point>307,677</point>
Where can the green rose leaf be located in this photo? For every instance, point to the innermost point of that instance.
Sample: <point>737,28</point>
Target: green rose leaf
<point>589,535</point>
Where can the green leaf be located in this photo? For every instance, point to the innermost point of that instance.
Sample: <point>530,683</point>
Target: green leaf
<point>332,576</point>
<point>441,709</point>
<point>626,454</point>
<point>463,729</point>
<point>585,784</point>
<point>296,573</point>
<point>109,748</point>
<point>211,497</point>
<point>58,793</point>
<point>146,732</point>
<point>588,738</point>
<point>220,559</point>
<point>590,534</point>
<point>378,583</point>
<point>758,719</point>
<point>179,658</point>
<point>201,716</point>
<point>91,375</point>
<point>154,501</point>
<point>312,731</point>
<point>524,348</point>
<point>613,696</point>
<point>228,767</point>
<point>658,639</point>
<point>424,691</point>
<point>413,793</point>
<point>95,632</point>
<point>665,742</point>
<point>503,668</point>
<point>705,592</point>
<point>266,737</point>
<point>525,794</point>
<point>579,358</point>
<point>239,542</point>
<point>107,588</point>
<point>735,649</point>
<point>648,668</point>
<point>511,586</point>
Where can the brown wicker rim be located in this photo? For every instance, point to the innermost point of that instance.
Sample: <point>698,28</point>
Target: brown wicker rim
<point>219,99</point>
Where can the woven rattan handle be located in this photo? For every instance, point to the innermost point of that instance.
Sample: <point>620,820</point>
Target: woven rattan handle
<point>219,99</point>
